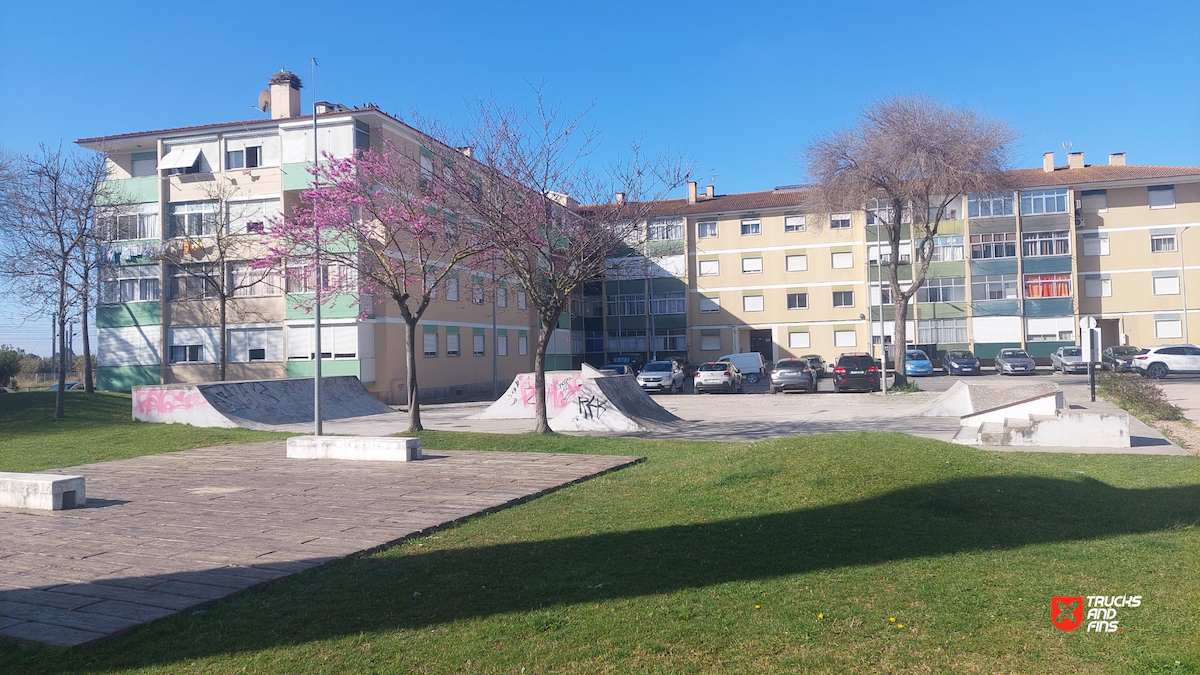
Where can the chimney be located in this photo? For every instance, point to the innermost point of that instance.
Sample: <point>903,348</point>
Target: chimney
<point>691,192</point>
<point>710,191</point>
<point>1048,162</point>
<point>1116,159</point>
<point>468,150</point>
<point>1075,160</point>
<point>285,95</point>
<point>620,198</point>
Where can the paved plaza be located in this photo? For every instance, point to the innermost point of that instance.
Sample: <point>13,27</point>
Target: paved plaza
<point>165,533</point>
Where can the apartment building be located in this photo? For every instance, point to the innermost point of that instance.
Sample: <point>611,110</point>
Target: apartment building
<point>156,321</point>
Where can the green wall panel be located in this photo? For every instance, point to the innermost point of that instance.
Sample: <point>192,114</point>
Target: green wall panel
<point>130,314</point>
<point>123,378</point>
<point>943,310</point>
<point>956,268</point>
<point>670,320</point>
<point>341,307</point>
<point>140,190</point>
<point>296,176</point>
<point>1049,307</point>
<point>662,248</point>
<point>667,285</point>
<point>1048,264</point>
<point>559,362</point>
<point>329,368</point>
<point>994,266</point>
<point>989,350</point>
<point>996,308</point>
<point>1044,349</point>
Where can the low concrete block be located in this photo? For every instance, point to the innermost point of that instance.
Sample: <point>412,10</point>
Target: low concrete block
<point>45,491</point>
<point>362,448</point>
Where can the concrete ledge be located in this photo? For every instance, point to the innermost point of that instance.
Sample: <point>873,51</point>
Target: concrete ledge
<point>45,491</point>
<point>361,448</point>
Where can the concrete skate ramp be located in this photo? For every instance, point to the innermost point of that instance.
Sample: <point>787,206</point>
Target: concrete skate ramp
<point>519,401</point>
<point>967,398</point>
<point>613,403</point>
<point>254,404</point>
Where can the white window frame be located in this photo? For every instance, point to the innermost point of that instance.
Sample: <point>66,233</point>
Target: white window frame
<point>706,229</point>
<point>1167,329</point>
<point>1093,201</point>
<point>843,305</point>
<point>665,229</point>
<point>753,303</point>
<point>845,338</point>
<point>841,260</point>
<point>1163,243</point>
<point>710,343</point>
<point>453,344</point>
<point>501,296</point>
<point>799,340</point>
<point>478,344</point>
<point>430,345</point>
<point>452,289</point>
<point>1166,198</point>
<point>709,305</point>
<point>840,221</point>
<point>522,345</point>
<point>1097,288</point>
<point>522,300</point>
<point>752,265</point>
<point>1095,246</point>
<point>794,224</point>
<point>803,305</point>
<point>1165,285</point>
<point>796,262</point>
<point>996,205</point>
<point>751,227</point>
<point>1033,203</point>
<point>502,345</point>
<point>713,268</point>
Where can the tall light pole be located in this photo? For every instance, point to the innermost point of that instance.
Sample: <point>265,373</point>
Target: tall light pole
<point>1183,283</point>
<point>495,338</point>
<point>319,277</point>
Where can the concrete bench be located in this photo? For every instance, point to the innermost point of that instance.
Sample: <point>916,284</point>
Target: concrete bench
<point>362,448</point>
<point>46,491</point>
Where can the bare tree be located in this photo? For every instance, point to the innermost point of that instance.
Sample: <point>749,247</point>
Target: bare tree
<point>907,161</point>
<point>47,208</point>
<point>555,220</point>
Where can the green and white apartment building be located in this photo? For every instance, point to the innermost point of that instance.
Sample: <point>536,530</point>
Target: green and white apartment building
<point>720,273</point>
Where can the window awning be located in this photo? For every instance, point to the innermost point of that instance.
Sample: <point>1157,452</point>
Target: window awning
<point>180,158</point>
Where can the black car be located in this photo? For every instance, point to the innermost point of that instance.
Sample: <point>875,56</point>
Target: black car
<point>960,362</point>
<point>856,372</point>
<point>1120,359</point>
<point>634,361</point>
<point>815,363</point>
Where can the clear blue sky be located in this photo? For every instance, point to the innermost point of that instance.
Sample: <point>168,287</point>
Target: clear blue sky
<point>741,87</point>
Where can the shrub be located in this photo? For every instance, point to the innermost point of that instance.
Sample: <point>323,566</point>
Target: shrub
<point>909,387</point>
<point>1138,395</point>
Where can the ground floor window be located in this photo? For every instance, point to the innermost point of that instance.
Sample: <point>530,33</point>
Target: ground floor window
<point>670,339</point>
<point>798,341</point>
<point>431,345</point>
<point>477,344</point>
<point>710,343</point>
<point>453,343</point>
<point>942,331</point>
<point>522,345</point>
<point>626,340</point>
<point>187,353</point>
<point>845,338</point>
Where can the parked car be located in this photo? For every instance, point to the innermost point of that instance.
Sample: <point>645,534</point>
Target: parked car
<point>684,365</point>
<point>618,369</point>
<point>751,365</point>
<point>1068,360</point>
<point>816,364</point>
<point>1015,362</point>
<point>960,362</point>
<point>68,387</point>
<point>1119,359</point>
<point>661,376</point>
<point>856,371</point>
<point>634,361</point>
<point>917,363</point>
<point>1158,362</point>
<point>718,376</point>
<point>793,375</point>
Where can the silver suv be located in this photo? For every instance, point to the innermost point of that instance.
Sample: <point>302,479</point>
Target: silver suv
<point>1158,362</point>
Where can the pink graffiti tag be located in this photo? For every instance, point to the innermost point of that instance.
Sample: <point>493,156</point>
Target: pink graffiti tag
<point>560,391</point>
<point>167,400</point>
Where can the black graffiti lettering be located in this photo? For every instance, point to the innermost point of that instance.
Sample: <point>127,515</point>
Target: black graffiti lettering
<point>590,407</point>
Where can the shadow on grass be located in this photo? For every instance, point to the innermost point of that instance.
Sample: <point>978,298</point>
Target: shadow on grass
<point>375,593</point>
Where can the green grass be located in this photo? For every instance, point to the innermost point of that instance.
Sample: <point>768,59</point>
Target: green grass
<point>96,429</point>
<point>784,556</point>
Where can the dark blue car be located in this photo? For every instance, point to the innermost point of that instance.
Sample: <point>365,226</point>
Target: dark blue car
<point>960,362</point>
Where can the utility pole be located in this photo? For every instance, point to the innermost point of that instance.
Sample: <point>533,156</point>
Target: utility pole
<point>53,338</point>
<point>319,277</point>
<point>1183,283</point>
<point>495,338</point>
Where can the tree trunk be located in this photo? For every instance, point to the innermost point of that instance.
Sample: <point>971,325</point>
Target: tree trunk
<point>901,332</point>
<point>414,393</point>
<point>60,395</point>
<point>541,423</point>
<point>89,386</point>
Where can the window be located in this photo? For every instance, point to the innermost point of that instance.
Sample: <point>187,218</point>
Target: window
<point>1161,196</point>
<point>709,305</point>
<point>881,294</point>
<point>192,282</point>
<point>666,229</point>
<point>1050,329</point>
<point>477,293</point>
<point>987,206</point>
<point>670,339</point>
<point>710,343</point>
<point>431,345</point>
<point>942,331</point>
<point>943,289</point>
<point>627,304</point>
<point>129,283</point>
<point>135,226</point>
<point>1166,285</point>
<point>752,303</point>
<point>452,289</point>
<point>521,300</point>
<point>1057,242</point>
<point>993,245</point>
<point>337,342</point>
<point>255,344</point>
<point>501,296</point>
<point>1168,328</point>
<point>710,268</point>
<point>247,158</point>
<point>522,345</point>
<point>1095,245</point>
<point>1094,201</point>
<point>187,353</point>
<point>193,219</point>
<point>1097,288</point>
<point>674,302</point>
<point>300,279</point>
<point>751,227</point>
<point>362,135</point>
<point>798,341</point>
<point>1048,285</point>
<point>706,230</point>
<point>796,263</point>
<point>143,164</point>
<point>251,216</point>
<point>845,338</point>
<point>752,266</point>
<point>797,300</point>
<point>502,344</point>
<point>245,281</point>
<point>842,260</point>
<point>426,169</point>
<point>794,223</point>
<point>1043,201</point>
<point>478,341</point>
<point>843,298</point>
<point>593,341</point>
<point>1162,243</point>
<point>994,287</point>
<point>453,342</point>
<point>626,340</point>
<point>839,221</point>
<point>946,249</point>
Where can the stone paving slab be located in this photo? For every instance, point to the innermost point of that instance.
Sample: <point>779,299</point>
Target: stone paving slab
<point>166,533</point>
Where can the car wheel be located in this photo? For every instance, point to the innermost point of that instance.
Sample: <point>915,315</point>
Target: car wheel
<point>752,378</point>
<point>1157,371</point>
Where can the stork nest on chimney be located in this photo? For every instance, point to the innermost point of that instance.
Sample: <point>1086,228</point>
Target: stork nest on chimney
<point>284,77</point>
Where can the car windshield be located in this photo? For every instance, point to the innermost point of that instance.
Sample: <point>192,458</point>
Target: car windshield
<point>1013,354</point>
<point>916,355</point>
<point>791,364</point>
<point>856,362</point>
<point>708,367</point>
<point>1073,352</point>
<point>657,367</point>
<point>959,354</point>
<point>1126,351</point>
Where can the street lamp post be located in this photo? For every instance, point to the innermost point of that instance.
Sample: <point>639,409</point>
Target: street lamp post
<point>319,278</point>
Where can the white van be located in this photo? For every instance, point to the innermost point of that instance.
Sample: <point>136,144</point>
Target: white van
<point>751,364</point>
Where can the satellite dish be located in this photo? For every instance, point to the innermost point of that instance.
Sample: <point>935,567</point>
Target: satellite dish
<point>264,100</point>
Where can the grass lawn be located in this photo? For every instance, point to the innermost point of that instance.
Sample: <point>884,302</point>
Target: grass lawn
<point>96,429</point>
<point>791,555</point>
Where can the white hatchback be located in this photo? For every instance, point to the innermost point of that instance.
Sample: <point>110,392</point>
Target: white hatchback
<point>718,377</point>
